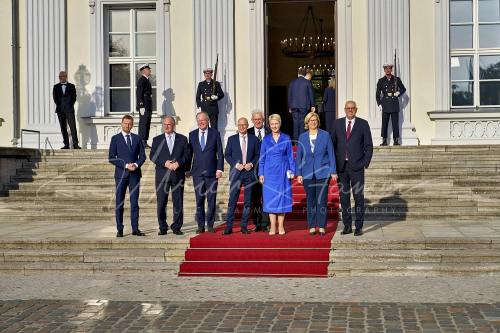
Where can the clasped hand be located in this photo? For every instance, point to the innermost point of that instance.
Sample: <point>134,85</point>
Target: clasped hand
<point>247,166</point>
<point>171,165</point>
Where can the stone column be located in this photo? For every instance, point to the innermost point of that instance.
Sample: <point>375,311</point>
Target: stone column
<point>46,56</point>
<point>214,34</point>
<point>389,29</point>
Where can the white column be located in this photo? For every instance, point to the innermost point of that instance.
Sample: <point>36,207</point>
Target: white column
<point>344,50</point>
<point>389,29</point>
<point>214,34</point>
<point>46,56</point>
<point>442,45</point>
<point>257,61</point>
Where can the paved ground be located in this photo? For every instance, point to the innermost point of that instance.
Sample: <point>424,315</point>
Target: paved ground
<point>103,316</point>
<point>415,230</point>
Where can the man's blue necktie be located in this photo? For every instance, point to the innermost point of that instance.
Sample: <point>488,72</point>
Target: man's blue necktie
<point>202,141</point>
<point>129,142</point>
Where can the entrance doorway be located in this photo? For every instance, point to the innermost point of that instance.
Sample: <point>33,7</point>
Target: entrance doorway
<point>284,20</point>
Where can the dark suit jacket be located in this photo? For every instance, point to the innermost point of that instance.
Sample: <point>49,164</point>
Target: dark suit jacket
<point>211,159</point>
<point>233,154</point>
<point>120,154</point>
<point>204,91</point>
<point>64,102</point>
<point>251,130</point>
<point>329,100</point>
<point>359,147</point>
<point>300,94</point>
<point>144,94</point>
<point>390,104</point>
<point>160,154</point>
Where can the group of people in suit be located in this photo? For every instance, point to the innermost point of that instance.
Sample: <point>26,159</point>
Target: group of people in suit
<point>261,160</point>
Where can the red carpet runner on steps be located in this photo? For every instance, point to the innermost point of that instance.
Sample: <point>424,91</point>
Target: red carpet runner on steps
<point>295,254</point>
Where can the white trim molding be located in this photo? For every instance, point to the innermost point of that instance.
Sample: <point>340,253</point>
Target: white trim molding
<point>214,34</point>
<point>466,127</point>
<point>442,58</point>
<point>389,30</point>
<point>257,56</point>
<point>344,68</point>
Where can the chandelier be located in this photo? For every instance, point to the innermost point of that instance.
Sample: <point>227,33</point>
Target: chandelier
<point>309,41</point>
<point>320,71</point>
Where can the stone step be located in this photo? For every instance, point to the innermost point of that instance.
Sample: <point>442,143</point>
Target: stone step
<point>166,243</point>
<point>35,268</point>
<point>414,269</point>
<point>445,243</point>
<point>136,255</point>
<point>415,256</point>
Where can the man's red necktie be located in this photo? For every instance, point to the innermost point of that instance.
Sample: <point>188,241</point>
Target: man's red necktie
<point>348,129</point>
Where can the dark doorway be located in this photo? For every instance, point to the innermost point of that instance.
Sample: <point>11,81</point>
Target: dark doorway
<point>283,20</point>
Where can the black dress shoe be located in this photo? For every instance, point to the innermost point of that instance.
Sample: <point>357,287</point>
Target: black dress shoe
<point>162,232</point>
<point>245,231</point>
<point>200,230</point>
<point>227,232</point>
<point>77,147</point>
<point>211,230</point>
<point>384,142</point>
<point>138,233</point>
<point>358,232</point>
<point>258,228</point>
<point>119,234</point>
<point>65,147</point>
<point>347,230</point>
<point>265,229</point>
<point>178,232</point>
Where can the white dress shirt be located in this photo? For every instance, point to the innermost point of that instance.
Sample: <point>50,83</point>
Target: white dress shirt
<point>173,139</point>
<point>261,131</point>
<point>63,87</point>
<point>347,123</point>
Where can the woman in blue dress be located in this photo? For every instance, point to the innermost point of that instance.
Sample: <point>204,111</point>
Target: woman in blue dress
<point>276,169</point>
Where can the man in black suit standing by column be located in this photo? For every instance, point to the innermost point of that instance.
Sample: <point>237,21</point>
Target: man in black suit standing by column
<point>64,95</point>
<point>208,95</point>
<point>170,153</point>
<point>206,168</point>
<point>260,219</point>
<point>353,145</point>
<point>144,102</point>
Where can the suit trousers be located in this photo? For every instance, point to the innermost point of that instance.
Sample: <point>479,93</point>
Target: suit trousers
<point>144,125</point>
<point>246,179</point>
<point>260,218</point>
<point>298,116</point>
<point>68,119</point>
<point>132,182</point>
<point>205,188</point>
<point>163,189</point>
<point>352,181</point>
<point>395,124</point>
<point>317,197</point>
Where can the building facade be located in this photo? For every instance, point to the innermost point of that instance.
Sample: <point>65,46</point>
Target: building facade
<point>448,55</point>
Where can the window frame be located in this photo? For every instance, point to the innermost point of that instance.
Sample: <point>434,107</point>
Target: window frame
<point>132,59</point>
<point>476,52</point>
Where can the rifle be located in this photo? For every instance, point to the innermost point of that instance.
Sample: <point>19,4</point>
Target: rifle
<point>395,72</point>
<point>215,74</point>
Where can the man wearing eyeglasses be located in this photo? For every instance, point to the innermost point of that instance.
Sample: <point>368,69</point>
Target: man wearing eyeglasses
<point>352,140</point>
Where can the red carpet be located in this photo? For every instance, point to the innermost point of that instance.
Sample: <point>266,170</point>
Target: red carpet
<point>295,254</point>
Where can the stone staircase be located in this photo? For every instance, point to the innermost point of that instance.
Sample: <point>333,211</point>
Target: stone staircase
<point>403,184</point>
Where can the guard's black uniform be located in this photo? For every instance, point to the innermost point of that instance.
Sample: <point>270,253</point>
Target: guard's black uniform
<point>204,101</point>
<point>144,96</point>
<point>386,96</point>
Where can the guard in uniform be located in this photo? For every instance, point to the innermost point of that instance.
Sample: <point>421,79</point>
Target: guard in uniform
<point>144,104</point>
<point>207,97</point>
<point>389,89</point>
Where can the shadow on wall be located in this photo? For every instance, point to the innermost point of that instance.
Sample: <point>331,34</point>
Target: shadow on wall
<point>88,104</point>
<point>168,105</point>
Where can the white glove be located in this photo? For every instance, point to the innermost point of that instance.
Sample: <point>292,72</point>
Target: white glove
<point>142,111</point>
<point>397,93</point>
<point>379,107</point>
<point>214,97</point>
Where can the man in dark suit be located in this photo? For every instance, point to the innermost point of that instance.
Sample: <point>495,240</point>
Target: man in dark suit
<point>64,95</point>
<point>300,101</point>
<point>329,106</point>
<point>126,153</point>
<point>260,219</point>
<point>389,88</point>
<point>352,141</point>
<point>206,168</point>
<point>208,97</point>
<point>242,154</point>
<point>170,153</point>
<point>144,102</point>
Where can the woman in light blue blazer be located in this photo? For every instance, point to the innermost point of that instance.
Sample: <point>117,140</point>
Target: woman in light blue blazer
<point>315,165</point>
